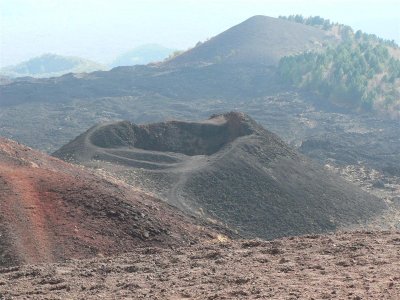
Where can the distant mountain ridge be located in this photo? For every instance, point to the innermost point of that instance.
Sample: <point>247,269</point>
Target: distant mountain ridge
<point>51,65</point>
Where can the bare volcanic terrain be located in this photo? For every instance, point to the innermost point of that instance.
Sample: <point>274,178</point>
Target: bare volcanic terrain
<point>259,39</point>
<point>51,211</point>
<point>358,265</point>
<point>236,65</point>
<point>230,169</point>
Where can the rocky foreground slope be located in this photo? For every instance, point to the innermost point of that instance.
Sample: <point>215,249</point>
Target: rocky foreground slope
<point>51,211</point>
<point>227,168</point>
<point>358,265</point>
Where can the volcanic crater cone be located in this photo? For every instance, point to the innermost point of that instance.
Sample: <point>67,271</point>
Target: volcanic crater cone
<point>51,211</point>
<point>229,169</point>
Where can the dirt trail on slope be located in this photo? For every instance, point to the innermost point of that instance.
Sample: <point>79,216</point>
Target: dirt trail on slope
<point>176,194</point>
<point>190,166</point>
<point>25,213</point>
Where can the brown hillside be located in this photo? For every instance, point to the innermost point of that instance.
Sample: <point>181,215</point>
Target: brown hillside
<point>51,211</point>
<point>358,265</point>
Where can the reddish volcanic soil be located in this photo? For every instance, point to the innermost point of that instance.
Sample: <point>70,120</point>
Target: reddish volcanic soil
<point>51,210</point>
<point>58,222</point>
<point>358,265</point>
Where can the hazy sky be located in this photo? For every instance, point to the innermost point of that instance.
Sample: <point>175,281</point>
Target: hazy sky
<point>102,29</point>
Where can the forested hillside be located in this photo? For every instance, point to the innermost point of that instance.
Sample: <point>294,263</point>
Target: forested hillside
<point>362,72</point>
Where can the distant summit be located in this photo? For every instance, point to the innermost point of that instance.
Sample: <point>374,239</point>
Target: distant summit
<point>259,39</point>
<point>51,65</point>
<point>143,55</point>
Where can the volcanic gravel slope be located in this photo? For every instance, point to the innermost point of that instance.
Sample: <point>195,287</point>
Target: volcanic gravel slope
<point>259,39</point>
<point>357,265</point>
<point>227,168</point>
<point>51,210</point>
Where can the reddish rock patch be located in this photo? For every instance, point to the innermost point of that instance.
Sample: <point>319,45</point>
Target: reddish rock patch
<point>51,211</point>
<point>26,212</point>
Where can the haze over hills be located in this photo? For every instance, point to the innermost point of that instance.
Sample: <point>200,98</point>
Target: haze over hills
<point>51,211</point>
<point>143,55</point>
<point>228,168</point>
<point>51,65</point>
